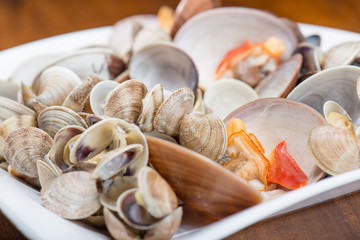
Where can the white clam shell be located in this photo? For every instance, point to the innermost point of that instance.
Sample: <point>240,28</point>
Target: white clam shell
<point>341,54</point>
<point>225,95</point>
<point>10,108</point>
<point>98,95</point>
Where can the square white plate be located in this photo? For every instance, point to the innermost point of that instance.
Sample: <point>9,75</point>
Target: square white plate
<point>22,204</point>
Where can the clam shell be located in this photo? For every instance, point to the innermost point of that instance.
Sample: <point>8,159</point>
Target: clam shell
<point>155,194</point>
<point>341,54</point>
<point>341,120</point>
<point>171,112</point>
<point>98,95</point>
<point>205,134</point>
<point>9,108</point>
<point>117,229</point>
<point>335,150</point>
<point>148,36</point>
<point>72,195</point>
<point>61,138</point>
<point>53,118</point>
<point>165,64</point>
<point>46,174</point>
<point>282,81</point>
<point>116,160</point>
<point>24,146</point>
<point>224,96</point>
<point>273,120</point>
<point>337,84</point>
<point>205,33</point>
<point>79,95</point>
<point>12,124</point>
<point>95,139</point>
<point>125,101</point>
<point>151,103</point>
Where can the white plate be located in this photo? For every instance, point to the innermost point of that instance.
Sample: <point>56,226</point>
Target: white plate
<point>22,205</point>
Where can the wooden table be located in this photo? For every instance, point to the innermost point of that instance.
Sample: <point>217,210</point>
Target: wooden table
<point>22,21</point>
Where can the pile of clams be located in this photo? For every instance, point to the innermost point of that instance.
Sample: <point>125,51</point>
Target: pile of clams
<point>76,127</point>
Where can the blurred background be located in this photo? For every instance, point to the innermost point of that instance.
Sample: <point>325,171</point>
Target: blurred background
<point>23,21</point>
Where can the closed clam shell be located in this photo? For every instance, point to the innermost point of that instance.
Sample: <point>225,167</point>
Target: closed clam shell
<point>125,101</point>
<point>55,83</point>
<point>24,146</point>
<point>155,194</point>
<point>12,124</point>
<point>9,108</point>
<point>98,95</point>
<point>53,118</point>
<point>204,133</point>
<point>335,150</point>
<point>225,95</point>
<point>79,95</point>
<point>151,104</point>
<point>72,195</point>
<point>171,112</point>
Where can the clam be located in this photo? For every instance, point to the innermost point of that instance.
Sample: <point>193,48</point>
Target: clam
<point>24,146</point>
<point>46,174</point>
<point>273,120</point>
<point>61,138</point>
<point>12,124</point>
<point>79,95</point>
<point>148,36</point>
<point>311,58</point>
<point>199,105</point>
<point>53,118</point>
<point>98,95</point>
<point>75,189</point>
<point>337,116</point>
<point>225,95</point>
<point>125,30</point>
<point>203,133</point>
<point>280,82</point>
<point>337,84</point>
<point>10,108</point>
<point>206,33</point>
<point>151,103</point>
<point>342,54</point>
<point>125,101</point>
<point>165,64</point>
<point>116,160</point>
<point>54,84</point>
<point>335,150</point>
<point>172,110</point>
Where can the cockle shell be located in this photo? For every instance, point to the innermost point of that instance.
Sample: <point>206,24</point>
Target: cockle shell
<point>9,108</point>
<point>72,195</point>
<point>155,194</point>
<point>98,95</point>
<point>53,118</point>
<point>79,95</point>
<point>12,124</point>
<point>335,150</point>
<point>55,83</point>
<point>125,101</point>
<point>204,133</point>
<point>151,104</point>
<point>171,112</point>
<point>24,146</point>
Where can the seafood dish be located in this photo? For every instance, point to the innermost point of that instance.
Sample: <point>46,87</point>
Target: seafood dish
<point>173,126</point>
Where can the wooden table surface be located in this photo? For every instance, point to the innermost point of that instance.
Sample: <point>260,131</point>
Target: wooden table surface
<point>23,21</point>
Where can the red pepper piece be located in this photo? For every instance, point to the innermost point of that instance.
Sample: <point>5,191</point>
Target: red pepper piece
<point>284,169</point>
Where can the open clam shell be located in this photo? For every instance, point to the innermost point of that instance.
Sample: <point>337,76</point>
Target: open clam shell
<point>225,95</point>
<point>273,120</point>
<point>206,33</point>
<point>342,54</point>
<point>336,115</point>
<point>337,84</point>
<point>98,95</point>
<point>165,64</point>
